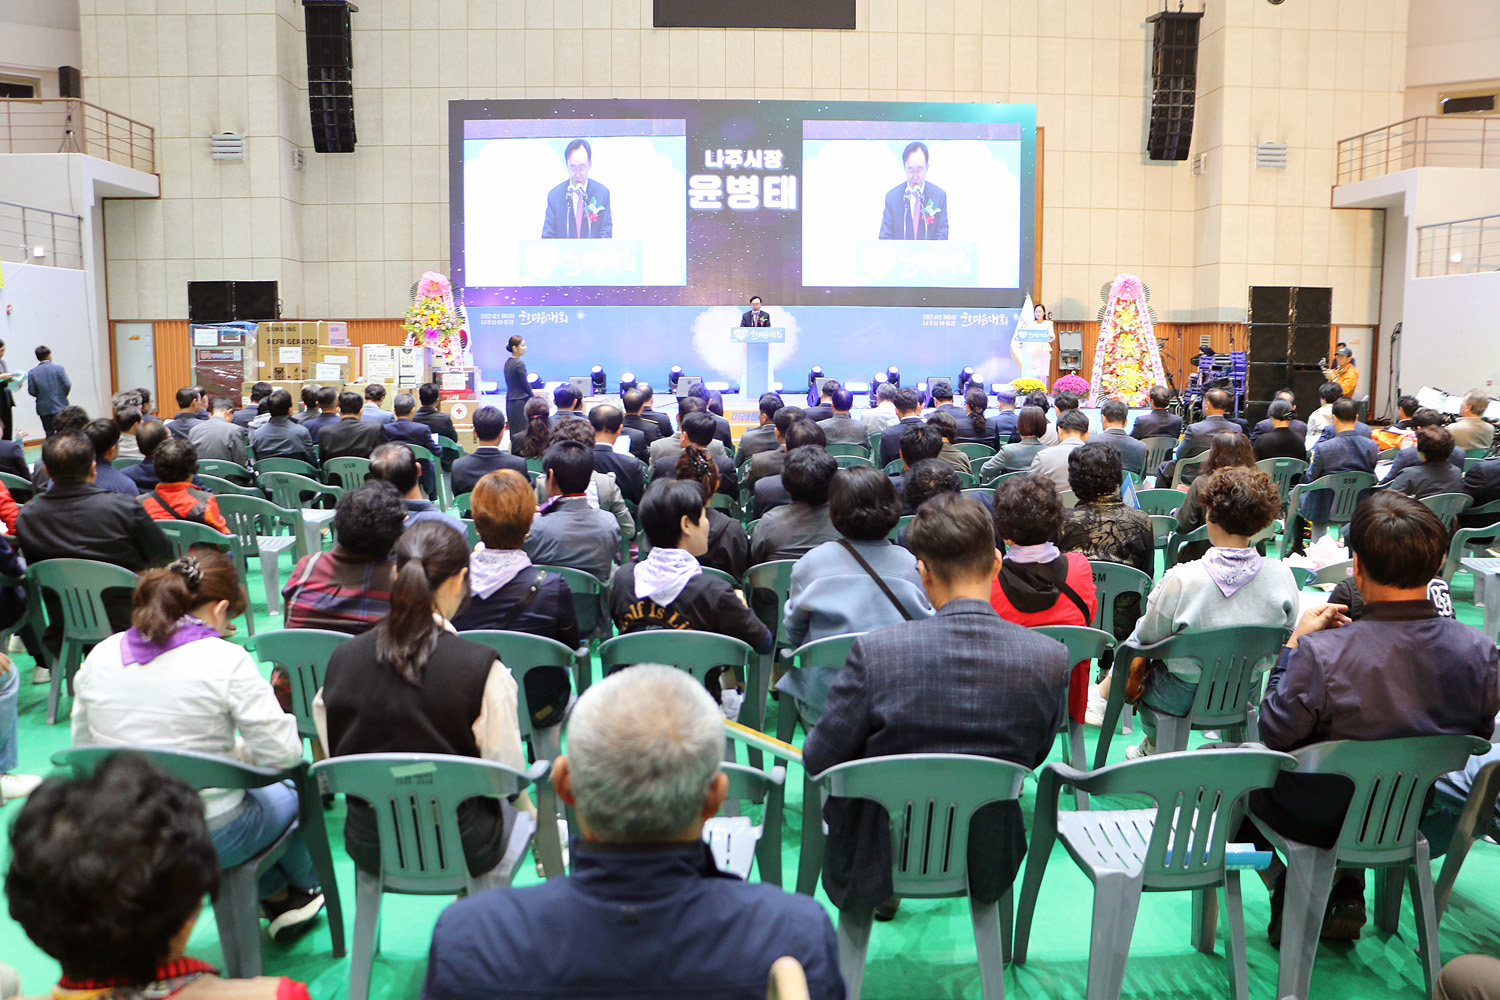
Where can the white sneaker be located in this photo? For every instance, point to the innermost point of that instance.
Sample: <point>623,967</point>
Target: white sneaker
<point>1211,735</point>
<point>17,786</point>
<point>732,701</point>
<point>41,675</point>
<point>1093,713</point>
<point>1145,748</point>
<point>16,645</point>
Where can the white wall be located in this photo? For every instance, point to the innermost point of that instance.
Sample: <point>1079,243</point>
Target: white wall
<point>36,37</point>
<point>51,305</point>
<point>1449,337</point>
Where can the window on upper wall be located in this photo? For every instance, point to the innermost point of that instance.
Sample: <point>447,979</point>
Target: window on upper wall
<point>19,86</point>
<point>1468,102</point>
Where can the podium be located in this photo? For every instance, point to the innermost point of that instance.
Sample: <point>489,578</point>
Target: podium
<point>757,341</point>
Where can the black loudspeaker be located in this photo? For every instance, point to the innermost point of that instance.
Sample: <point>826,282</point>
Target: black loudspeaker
<point>1270,304</point>
<point>1310,344</point>
<point>1267,343</point>
<point>1305,383</point>
<point>1265,381</point>
<point>330,75</point>
<point>1174,84</point>
<point>228,301</point>
<point>1255,411</point>
<point>1314,306</point>
<point>69,82</point>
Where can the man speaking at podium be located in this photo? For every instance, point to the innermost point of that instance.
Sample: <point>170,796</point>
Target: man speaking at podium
<point>578,208</point>
<point>755,316</point>
<point>915,210</point>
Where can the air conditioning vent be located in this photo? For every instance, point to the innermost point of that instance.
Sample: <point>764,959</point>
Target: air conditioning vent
<point>1270,154</point>
<point>228,145</point>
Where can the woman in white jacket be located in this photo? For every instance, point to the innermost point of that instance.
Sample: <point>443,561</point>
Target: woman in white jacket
<point>172,681</point>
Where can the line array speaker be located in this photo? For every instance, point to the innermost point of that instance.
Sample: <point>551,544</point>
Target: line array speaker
<point>228,301</point>
<point>1174,83</point>
<point>330,75</point>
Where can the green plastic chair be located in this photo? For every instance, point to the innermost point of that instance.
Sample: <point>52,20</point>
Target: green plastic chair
<point>699,653</point>
<point>976,492</point>
<point>977,452</point>
<point>931,799</point>
<point>1185,467</point>
<point>223,487</point>
<point>125,463</point>
<point>293,465</point>
<point>1112,579</point>
<point>349,469</point>
<point>253,519</point>
<point>534,465</point>
<point>1200,534</point>
<point>1228,689</point>
<point>1391,779</point>
<point>1346,487</point>
<point>1159,501</point>
<point>590,601</point>
<point>441,479</point>
<point>719,574</point>
<point>875,443</point>
<point>1302,576</point>
<point>828,654</point>
<point>224,469</point>
<point>729,841</point>
<point>523,653</point>
<point>1163,526</point>
<point>1447,506</point>
<point>853,461</point>
<point>727,504</point>
<point>304,654</point>
<point>1468,541</point>
<point>1333,573</point>
<point>967,480</point>
<point>894,467</point>
<point>1068,498</point>
<point>1177,845</point>
<point>461,505</point>
<point>901,522</point>
<point>1387,455</point>
<point>1002,477</point>
<point>185,534</point>
<point>288,489</point>
<point>1085,645</point>
<point>237,910</point>
<point>79,585</point>
<point>415,798</point>
<point>20,489</point>
<point>1472,461</point>
<point>1158,450</point>
<point>848,450</point>
<point>1476,819</point>
<point>1282,471</point>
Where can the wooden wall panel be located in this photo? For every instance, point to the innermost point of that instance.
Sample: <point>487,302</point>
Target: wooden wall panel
<point>174,363</point>
<point>1179,353</point>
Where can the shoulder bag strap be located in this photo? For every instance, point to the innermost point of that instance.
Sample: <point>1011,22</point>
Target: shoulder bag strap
<point>1072,595</point>
<point>521,605</point>
<point>166,506</point>
<point>876,577</point>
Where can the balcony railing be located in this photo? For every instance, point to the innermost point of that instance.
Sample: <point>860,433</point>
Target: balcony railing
<point>68,125</point>
<point>1429,141</point>
<point>25,230</point>
<point>1465,246</point>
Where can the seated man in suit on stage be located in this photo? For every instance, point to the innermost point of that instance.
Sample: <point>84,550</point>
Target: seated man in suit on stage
<point>908,412</point>
<point>1297,426</point>
<point>915,209</point>
<point>755,316</point>
<point>489,427</point>
<point>997,690</point>
<point>841,428</point>
<point>436,420</point>
<point>351,436</point>
<point>578,208</point>
<point>698,429</point>
<point>1199,435</point>
<point>1113,415</point>
<point>1159,422</point>
<point>768,463</point>
<point>629,473</point>
<point>792,530</point>
<point>762,437</point>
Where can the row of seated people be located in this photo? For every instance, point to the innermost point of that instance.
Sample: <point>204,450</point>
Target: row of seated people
<point>410,682</point>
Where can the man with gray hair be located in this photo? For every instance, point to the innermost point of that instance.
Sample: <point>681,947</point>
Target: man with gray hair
<point>645,911</point>
<point>883,413</point>
<point>219,436</point>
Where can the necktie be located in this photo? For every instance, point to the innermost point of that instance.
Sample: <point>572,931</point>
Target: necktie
<point>916,197</point>
<point>578,212</point>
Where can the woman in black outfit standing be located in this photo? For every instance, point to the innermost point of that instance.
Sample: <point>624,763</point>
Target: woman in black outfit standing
<point>517,385</point>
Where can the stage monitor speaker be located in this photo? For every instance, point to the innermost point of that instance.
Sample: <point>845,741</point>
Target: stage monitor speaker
<point>69,82</point>
<point>1174,83</point>
<point>1270,304</point>
<point>228,301</point>
<point>1313,306</point>
<point>330,75</point>
<point>1265,381</point>
<point>1310,344</point>
<point>1305,383</point>
<point>1268,343</point>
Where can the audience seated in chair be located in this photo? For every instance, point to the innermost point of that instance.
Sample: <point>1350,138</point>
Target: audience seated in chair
<point>947,426</point>
<point>281,437</point>
<point>1280,438</point>
<point>1471,430</point>
<point>372,411</point>
<point>974,427</point>
<point>1112,417</point>
<point>127,419</point>
<point>1226,451</point>
<point>395,463</point>
<point>767,462</point>
<point>105,435</point>
<point>1159,421</point>
<point>1322,418</point>
<point>1031,424</point>
<point>107,876</point>
<point>327,413</point>
<point>1052,463</point>
<point>769,491</point>
<point>1434,474</point>
<point>1038,584</point>
<point>12,607</point>
<point>1401,670</point>
<point>489,428</point>
<point>602,491</point>
<point>190,411</point>
<point>435,420</point>
<point>909,412</point>
<point>1230,585</point>
<point>1197,437</point>
<point>569,530</point>
<point>1102,528</point>
<point>219,437</point>
<point>697,431</point>
<point>351,436</point>
<point>1347,451</point>
<point>728,546</point>
<point>174,681</point>
<point>921,482</point>
<point>642,773</point>
<point>174,498</point>
<point>348,588</point>
<point>883,413</point>
<point>668,589</point>
<point>629,473</point>
<point>411,684</point>
<point>792,530</point>
<point>405,430</point>
<point>763,437</point>
<point>1482,482</point>
<point>840,427</point>
<point>962,681</point>
<point>1408,455</point>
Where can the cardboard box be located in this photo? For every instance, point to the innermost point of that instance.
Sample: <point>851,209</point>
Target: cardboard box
<point>287,350</point>
<point>413,366</point>
<point>457,383</point>
<point>334,362</point>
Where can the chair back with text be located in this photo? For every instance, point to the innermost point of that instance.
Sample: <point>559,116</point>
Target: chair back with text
<point>349,470</point>
<point>1110,581</point>
<point>1159,501</point>
<point>293,465</point>
<point>698,653</point>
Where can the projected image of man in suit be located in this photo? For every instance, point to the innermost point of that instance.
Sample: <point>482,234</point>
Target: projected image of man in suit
<point>578,208</point>
<point>915,210</point>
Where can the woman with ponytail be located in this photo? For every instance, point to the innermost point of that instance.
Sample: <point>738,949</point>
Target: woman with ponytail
<point>533,442</point>
<point>174,681</point>
<point>975,427</point>
<point>412,685</point>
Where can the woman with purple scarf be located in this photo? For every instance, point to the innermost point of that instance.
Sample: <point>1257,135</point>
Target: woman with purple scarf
<point>1231,585</point>
<point>174,681</point>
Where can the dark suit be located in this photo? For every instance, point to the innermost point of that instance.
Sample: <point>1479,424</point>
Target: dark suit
<point>13,459</point>
<point>1196,439</point>
<point>649,429</point>
<point>1328,431</point>
<point>638,444</point>
<point>822,411</point>
<point>722,431</point>
<point>765,464</point>
<point>1157,423</point>
<point>439,423</point>
<point>896,223</point>
<point>770,494</point>
<point>1298,427</point>
<point>1132,452</point>
<point>479,463</point>
<point>1005,427</point>
<point>349,437</point>
<point>1482,482</point>
<point>729,482</point>
<point>756,440</point>
<point>890,440</point>
<point>998,690</point>
<point>410,432</point>
<point>560,222</point>
<point>663,421</point>
<point>245,414</point>
<point>753,318</point>
<point>630,474</point>
<point>1281,442</point>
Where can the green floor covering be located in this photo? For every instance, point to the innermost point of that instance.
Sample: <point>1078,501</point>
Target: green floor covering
<point>927,952</point>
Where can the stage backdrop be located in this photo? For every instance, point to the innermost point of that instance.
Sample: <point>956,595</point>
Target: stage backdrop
<point>690,207</point>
